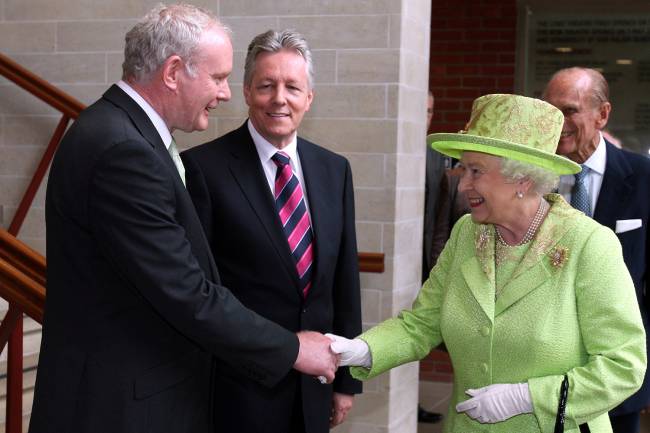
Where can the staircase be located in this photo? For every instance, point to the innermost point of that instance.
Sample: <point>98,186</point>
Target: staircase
<point>31,345</point>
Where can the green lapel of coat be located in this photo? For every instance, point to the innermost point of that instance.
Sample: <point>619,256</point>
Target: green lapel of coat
<point>478,271</point>
<point>541,260</point>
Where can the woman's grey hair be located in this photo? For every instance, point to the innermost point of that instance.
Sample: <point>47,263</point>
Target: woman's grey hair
<point>272,41</point>
<point>544,181</point>
<point>163,32</point>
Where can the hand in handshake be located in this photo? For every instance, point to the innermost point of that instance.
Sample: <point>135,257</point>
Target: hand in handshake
<point>351,352</point>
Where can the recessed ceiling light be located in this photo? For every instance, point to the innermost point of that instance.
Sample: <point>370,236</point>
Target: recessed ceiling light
<point>563,49</point>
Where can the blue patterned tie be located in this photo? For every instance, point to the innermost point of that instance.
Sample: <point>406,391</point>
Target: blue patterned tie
<point>579,194</point>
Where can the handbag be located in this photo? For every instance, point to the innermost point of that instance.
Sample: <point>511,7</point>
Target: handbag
<point>561,409</point>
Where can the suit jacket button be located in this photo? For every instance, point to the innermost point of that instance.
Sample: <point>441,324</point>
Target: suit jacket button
<point>304,310</point>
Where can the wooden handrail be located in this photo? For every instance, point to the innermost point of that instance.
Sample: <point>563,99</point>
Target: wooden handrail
<point>371,262</point>
<point>22,257</point>
<point>40,88</point>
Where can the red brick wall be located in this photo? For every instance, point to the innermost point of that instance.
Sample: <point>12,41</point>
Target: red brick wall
<point>472,54</point>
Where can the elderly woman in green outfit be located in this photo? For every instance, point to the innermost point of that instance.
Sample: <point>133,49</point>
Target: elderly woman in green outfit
<point>527,291</point>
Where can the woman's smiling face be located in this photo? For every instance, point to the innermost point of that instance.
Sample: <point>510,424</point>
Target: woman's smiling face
<point>491,196</point>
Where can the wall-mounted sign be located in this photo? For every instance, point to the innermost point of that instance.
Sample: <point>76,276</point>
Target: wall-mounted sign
<point>616,45</point>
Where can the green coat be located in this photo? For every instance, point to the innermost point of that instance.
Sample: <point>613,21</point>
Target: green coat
<point>569,308</point>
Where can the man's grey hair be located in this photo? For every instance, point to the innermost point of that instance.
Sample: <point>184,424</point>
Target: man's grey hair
<point>273,41</point>
<point>598,87</point>
<point>544,181</point>
<point>165,31</point>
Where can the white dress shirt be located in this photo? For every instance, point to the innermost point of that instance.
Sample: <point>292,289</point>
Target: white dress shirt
<point>594,180</point>
<point>157,121</point>
<point>265,150</point>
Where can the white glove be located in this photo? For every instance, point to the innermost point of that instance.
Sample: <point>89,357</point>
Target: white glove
<point>498,402</point>
<point>353,352</point>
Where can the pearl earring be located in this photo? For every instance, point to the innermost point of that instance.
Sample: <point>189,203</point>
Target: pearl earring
<point>519,194</point>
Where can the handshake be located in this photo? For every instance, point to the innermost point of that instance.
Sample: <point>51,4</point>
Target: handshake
<point>320,355</point>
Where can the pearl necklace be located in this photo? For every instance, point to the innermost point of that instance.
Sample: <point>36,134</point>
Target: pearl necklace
<point>532,228</point>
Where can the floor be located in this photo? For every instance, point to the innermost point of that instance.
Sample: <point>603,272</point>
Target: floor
<point>434,396</point>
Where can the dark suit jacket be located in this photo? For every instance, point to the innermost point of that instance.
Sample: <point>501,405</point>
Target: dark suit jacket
<point>436,163</point>
<point>227,183</point>
<point>625,194</point>
<point>134,301</point>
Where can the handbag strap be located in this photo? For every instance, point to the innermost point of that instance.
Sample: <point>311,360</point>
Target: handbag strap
<point>561,406</point>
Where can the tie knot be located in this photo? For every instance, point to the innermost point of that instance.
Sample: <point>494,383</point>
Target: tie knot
<point>280,159</point>
<point>580,177</point>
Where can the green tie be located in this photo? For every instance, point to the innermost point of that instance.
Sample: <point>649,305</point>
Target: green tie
<point>173,151</point>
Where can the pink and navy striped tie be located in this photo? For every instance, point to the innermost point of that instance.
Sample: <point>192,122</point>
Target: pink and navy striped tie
<point>290,204</point>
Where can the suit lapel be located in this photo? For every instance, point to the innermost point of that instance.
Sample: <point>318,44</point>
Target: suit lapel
<point>615,188</point>
<point>144,125</point>
<point>246,169</point>
<point>533,271</point>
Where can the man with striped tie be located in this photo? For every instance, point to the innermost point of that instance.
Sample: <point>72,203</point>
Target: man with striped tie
<point>278,212</point>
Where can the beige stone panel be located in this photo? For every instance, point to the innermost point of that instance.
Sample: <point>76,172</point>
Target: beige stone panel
<point>225,125</point>
<point>16,101</point>
<point>406,239</point>
<point>367,169</point>
<point>392,101</point>
<point>12,189</point>
<point>417,10</point>
<point>408,268</point>
<point>398,300</point>
<point>114,67</point>
<point>39,246</point>
<point>410,170</point>
<point>29,130</point>
<point>352,426</point>
<point>19,160</point>
<point>246,27</point>
<point>383,281</point>
<point>27,37</point>
<point>369,236</point>
<point>187,140</point>
<point>312,7</point>
<point>34,224</point>
<point>394,31</point>
<point>92,35</point>
<point>324,66</point>
<point>375,204</point>
<point>413,104</point>
<point>368,66</point>
<point>85,93</point>
<point>371,306</point>
<point>346,101</point>
<point>409,203</point>
<point>236,107</point>
<point>415,38</point>
<point>347,31</point>
<point>237,75</point>
<point>66,68</point>
<point>412,138</point>
<point>372,408</point>
<point>81,9</point>
<point>352,135</point>
<point>414,70</point>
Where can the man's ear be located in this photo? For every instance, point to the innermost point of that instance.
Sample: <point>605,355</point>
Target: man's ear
<point>172,70</point>
<point>603,115</point>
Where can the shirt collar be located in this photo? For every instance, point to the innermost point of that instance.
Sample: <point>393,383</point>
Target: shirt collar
<point>596,162</point>
<point>155,118</point>
<point>266,150</point>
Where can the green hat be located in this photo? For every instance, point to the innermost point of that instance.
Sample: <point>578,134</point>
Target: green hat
<point>510,126</point>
